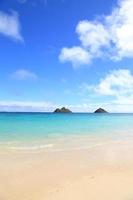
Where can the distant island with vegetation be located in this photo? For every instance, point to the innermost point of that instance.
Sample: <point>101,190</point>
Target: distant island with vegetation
<point>66,110</point>
<point>62,110</point>
<point>100,110</point>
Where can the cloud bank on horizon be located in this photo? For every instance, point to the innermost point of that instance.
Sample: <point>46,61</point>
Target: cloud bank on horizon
<point>107,37</point>
<point>25,106</point>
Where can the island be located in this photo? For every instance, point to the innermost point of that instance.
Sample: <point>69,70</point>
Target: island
<point>62,110</point>
<point>100,110</point>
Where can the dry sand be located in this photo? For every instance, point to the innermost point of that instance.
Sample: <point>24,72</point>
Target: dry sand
<point>101,173</point>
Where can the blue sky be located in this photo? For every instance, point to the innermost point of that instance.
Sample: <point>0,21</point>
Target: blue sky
<point>70,53</point>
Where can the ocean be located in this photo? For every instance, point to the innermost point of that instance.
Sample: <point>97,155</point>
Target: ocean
<point>50,131</point>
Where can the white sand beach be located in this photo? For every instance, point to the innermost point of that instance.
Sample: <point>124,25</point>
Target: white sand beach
<point>100,173</point>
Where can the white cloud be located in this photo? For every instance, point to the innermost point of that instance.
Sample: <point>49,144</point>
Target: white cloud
<point>114,92</point>
<point>10,25</point>
<point>23,74</point>
<point>92,35</point>
<point>111,36</point>
<point>76,55</point>
<point>118,83</point>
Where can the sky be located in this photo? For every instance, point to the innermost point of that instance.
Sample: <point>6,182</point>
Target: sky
<point>77,54</point>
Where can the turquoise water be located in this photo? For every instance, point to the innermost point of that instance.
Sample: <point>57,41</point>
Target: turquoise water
<point>37,125</point>
<point>26,127</point>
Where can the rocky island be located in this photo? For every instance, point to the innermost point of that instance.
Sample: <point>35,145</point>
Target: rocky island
<point>100,110</point>
<point>62,110</point>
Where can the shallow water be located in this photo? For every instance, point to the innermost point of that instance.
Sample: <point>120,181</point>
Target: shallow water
<point>47,130</point>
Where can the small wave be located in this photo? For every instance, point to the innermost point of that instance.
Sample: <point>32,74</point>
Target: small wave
<point>32,147</point>
<point>76,148</point>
